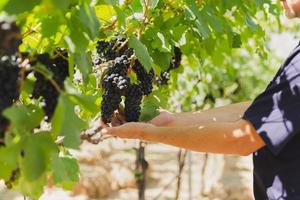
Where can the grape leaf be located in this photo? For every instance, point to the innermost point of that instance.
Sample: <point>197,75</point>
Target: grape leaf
<point>37,149</point>
<point>33,189</point>
<point>16,7</point>
<point>83,62</point>
<point>65,170</point>
<point>141,52</point>
<point>66,123</point>
<point>105,12</point>
<point>150,108</point>
<point>19,115</point>
<point>8,160</point>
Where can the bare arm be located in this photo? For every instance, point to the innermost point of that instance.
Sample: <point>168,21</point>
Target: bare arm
<point>228,113</point>
<point>238,137</point>
<point>226,138</point>
<point>219,130</point>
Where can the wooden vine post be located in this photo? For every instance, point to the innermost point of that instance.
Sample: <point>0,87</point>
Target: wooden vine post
<point>141,170</point>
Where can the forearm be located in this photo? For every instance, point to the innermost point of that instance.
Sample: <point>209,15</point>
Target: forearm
<point>221,137</point>
<point>229,113</point>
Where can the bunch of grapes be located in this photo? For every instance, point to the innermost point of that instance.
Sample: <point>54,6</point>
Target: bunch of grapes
<point>109,51</point>
<point>58,65</point>
<point>145,78</point>
<point>174,64</point>
<point>116,82</point>
<point>10,38</point>
<point>133,101</point>
<point>9,90</point>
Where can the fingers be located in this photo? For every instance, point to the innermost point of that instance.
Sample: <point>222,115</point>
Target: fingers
<point>118,119</point>
<point>102,124</point>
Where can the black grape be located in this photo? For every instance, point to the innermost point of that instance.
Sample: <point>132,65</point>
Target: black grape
<point>59,66</point>
<point>9,90</point>
<point>110,102</point>
<point>133,101</point>
<point>144,77</point>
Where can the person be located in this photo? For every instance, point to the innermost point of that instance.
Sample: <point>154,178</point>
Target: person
<point>268,128</point>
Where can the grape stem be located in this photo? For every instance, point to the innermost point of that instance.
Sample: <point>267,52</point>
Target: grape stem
<point>55,85</point>
<point>146,9</point>
<point>110,26</point>
<point>31,30</point>
<point>122,45</point>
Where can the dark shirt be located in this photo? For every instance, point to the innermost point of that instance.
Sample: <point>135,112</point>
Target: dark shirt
<point>275,114</point>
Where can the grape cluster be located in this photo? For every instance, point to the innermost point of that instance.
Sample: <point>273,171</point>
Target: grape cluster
<point>9,90</point>
<point>145,78</point>
<point>109,51</point>
<point>115,83</point>
<point>10,38</point>
<point>133,101</point>
<point>174,64</point>
<point>110,102</point>
<point>58,65</point>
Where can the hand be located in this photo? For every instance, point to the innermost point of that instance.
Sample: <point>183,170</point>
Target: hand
<point>131,130</point>
<point>165,118</point>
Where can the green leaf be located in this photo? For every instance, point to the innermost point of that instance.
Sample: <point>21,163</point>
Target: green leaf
<point>66,123</point>
<point>19,115</point>
<point>236,40</point>
<point>161,43</point>
<point>87,102</point>
<point>250,23</point>
<point>151,103</point>
<point>65,170</point>
<point>61,4</point>
<point>111,2</point>
<point>17,7</point>
<point>141,52</point>
<point>8,160</point>
<point>37,149</point>
<point>161,59</point>
<point>121,16</point>
<point>84,26</point>
<point>33,189</point>
<point>83,62</point>
<point>136,6</point>
<point>150,108</point>
<point>200,21</point>
<point>105,12</point>
<point>88,19</point>
<point>50,25</point>
<point>188,13</point>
